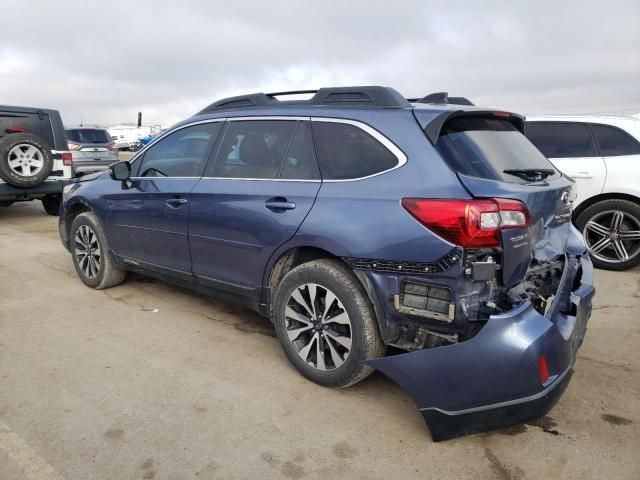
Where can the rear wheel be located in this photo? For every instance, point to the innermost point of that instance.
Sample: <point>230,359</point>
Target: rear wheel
<point>611,230</point>
<point>51,204</point>
<point>326,323</point>
<point>92,257</point>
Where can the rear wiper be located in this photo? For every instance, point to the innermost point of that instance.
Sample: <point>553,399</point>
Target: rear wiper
<point>530,173</point>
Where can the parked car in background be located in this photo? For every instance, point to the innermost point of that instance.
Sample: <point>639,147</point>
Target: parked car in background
<point>602,154</point>
<point>357,220</point>
<point>93,149</point>
<point>34,159</point>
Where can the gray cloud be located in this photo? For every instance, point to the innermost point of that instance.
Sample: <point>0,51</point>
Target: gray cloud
<point>104,61</point>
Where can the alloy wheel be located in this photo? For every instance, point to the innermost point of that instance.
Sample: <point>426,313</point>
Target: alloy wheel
<point>613,236</point>
<point>26,160</point>
<point>318,326</point>
<point>87,251</point>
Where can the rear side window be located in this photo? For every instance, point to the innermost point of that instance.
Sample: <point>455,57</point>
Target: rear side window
<point>88,135</point>
<point>562,139</point>
<point>486,147</point>
<point>254,148</point>
<point>614,142</point>
<point>347,152</point>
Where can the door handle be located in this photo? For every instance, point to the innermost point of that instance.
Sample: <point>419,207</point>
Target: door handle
<point>582,175</point>
<point>176,202</point>
<point>279,204</point>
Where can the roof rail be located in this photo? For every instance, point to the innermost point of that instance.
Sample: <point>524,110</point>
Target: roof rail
<point>365,96</point>
<point>441,98</point>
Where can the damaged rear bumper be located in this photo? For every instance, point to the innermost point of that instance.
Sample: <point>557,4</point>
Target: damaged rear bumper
<point>497,378</point>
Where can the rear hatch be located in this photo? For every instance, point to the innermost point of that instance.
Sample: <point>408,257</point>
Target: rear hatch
<point>493,159</point>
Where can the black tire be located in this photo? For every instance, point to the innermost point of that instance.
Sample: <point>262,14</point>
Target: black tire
<point>602,213</point>
<point>365,336</point>
<point>107,274</point>
<point>41,158</point>
<point>51,204</point>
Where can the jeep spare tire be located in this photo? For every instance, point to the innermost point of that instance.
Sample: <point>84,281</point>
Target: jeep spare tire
<point>25,160</point>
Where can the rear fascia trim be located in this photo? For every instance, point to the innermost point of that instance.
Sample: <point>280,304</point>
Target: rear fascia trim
<point>508,403</point>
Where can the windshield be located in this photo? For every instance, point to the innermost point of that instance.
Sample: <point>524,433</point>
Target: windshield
<point>88,135</point>
<point>486,147</point>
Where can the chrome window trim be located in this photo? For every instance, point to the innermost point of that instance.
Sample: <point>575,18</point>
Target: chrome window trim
<point>266,179</point>
<point>161,178</point>
<point>227,178</point>
<point>392,147</point>
<point>266,117</point>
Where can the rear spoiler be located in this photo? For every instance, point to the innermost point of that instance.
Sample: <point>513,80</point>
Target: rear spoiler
<point>433,126</point>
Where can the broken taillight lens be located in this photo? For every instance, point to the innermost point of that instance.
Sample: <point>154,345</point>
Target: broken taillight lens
<point>468,223</point>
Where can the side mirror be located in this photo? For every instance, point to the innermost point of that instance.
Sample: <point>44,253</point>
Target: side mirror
<point>121,171</point>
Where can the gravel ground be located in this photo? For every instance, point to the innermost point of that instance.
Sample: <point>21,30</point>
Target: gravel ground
<point>151,381</point>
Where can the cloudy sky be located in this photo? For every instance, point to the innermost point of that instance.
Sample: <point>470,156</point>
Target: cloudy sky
<point>103,61</point>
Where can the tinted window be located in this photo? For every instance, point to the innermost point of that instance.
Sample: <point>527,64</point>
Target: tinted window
<point>180,154</point>
<point>347,151</point>
<point>613,141</point>
<point>88,135</point>
<point>253,148</point>
<point>300,161</point>
<point>486,147</point>
<point>31,123</point>
<point>562,139</point>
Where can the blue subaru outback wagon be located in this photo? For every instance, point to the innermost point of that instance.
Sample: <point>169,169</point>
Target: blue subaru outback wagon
<point>426,238</point>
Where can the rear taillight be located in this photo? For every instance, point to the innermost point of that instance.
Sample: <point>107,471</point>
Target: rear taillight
<point>73,146</point>
<point>15,130</point>
<point>468,223</point>
<point>112,147</point>
<point>67,158</point>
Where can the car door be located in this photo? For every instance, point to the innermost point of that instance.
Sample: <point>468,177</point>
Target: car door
<point>254,197</point>
<point>148,215</point>
<point>571,148</point>
<point>621,154</point>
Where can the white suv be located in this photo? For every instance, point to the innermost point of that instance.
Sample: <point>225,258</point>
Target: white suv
<point>602,154</point>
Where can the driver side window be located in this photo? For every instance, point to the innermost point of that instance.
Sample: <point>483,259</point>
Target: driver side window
<point>182,153</point>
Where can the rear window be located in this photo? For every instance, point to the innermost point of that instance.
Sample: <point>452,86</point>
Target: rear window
<point>486,147</point>
<point>38,125</point>
<point>348,152</point>
<point>562,139</point>
<point>88,135</point>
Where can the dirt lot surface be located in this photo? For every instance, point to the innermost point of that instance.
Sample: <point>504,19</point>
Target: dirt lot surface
<point>151,381</point>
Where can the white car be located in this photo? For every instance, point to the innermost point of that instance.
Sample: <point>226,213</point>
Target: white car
<point>602,154</point>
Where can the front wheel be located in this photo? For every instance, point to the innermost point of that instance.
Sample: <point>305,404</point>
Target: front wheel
<point>92,257</point>
<point>326,323</point>
<point>611,230</point>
